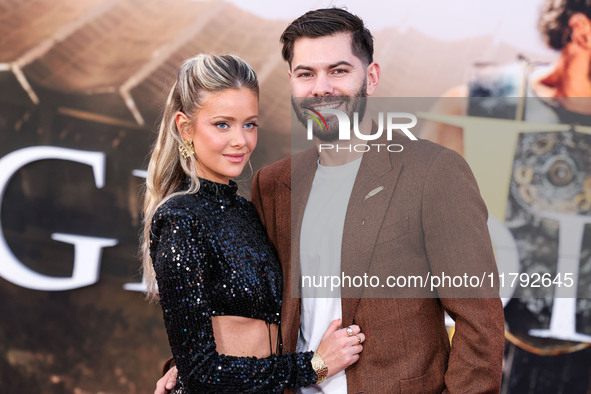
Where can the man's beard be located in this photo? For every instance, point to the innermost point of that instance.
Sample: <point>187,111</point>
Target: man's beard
<point>357,104</point>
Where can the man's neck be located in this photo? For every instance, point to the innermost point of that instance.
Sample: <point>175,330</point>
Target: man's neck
<point>344,152</point>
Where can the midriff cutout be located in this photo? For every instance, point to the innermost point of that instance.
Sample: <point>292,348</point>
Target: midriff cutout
<point>244,336</point>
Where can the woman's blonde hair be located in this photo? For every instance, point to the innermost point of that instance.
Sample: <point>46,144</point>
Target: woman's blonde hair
<point>167,168</point>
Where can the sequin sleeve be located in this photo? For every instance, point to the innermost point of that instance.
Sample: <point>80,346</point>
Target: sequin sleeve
<point>179,252</point>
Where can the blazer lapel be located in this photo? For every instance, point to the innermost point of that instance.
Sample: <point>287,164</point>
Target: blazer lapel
<point>369,201</point>
<point>290,309</point>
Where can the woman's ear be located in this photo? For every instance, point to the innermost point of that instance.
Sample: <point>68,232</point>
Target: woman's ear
<point>182,125</point>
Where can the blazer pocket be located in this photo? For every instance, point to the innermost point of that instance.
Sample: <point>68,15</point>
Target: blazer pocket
<point>431,382</point>
<point>393,231</point>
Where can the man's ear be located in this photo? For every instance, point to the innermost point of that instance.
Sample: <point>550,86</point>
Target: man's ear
<point>580,27</point>
<point>373,77</point>
<point>182,125</point>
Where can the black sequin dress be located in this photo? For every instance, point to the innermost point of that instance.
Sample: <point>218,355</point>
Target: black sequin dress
<point>212,257</point>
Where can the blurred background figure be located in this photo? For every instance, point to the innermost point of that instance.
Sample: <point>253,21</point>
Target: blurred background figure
<point>549,198</point>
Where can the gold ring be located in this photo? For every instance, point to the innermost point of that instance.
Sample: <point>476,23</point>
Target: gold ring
<point>358,339</point>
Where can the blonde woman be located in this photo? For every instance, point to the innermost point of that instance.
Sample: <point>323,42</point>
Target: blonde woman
<point>218,279</point>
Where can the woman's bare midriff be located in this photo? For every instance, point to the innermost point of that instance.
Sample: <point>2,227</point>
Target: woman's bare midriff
<point>244,336</point>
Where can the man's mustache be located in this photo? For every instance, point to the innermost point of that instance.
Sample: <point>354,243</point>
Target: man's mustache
<point>321,101</point>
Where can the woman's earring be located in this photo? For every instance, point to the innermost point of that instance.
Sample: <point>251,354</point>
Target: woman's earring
<point>187,149</point>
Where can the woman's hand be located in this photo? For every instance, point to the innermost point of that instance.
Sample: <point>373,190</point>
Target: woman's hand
<point>167,382</point>
<point>340,347</point>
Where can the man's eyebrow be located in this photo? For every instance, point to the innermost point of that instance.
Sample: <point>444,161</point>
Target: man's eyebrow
<point>301,67</point>
<point>337,64</point>
<point>341,63</point>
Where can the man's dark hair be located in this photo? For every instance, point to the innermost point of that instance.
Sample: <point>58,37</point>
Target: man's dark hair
<point>554,20</point>
<point>326,22</point>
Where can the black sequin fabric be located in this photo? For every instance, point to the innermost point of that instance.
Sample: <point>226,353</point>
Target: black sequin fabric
<point>212,257</point>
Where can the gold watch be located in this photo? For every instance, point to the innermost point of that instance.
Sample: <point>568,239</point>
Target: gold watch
<point>319,367</point>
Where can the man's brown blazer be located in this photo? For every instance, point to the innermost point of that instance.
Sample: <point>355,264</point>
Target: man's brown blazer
<point>427,215</point>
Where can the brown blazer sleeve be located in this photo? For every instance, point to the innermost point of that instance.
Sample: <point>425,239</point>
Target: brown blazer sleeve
<point>457,241</point>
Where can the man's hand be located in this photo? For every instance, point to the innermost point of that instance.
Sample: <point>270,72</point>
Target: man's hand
<point>166,382</point>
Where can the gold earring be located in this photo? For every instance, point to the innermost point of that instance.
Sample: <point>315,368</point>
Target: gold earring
<point>187,149</point>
